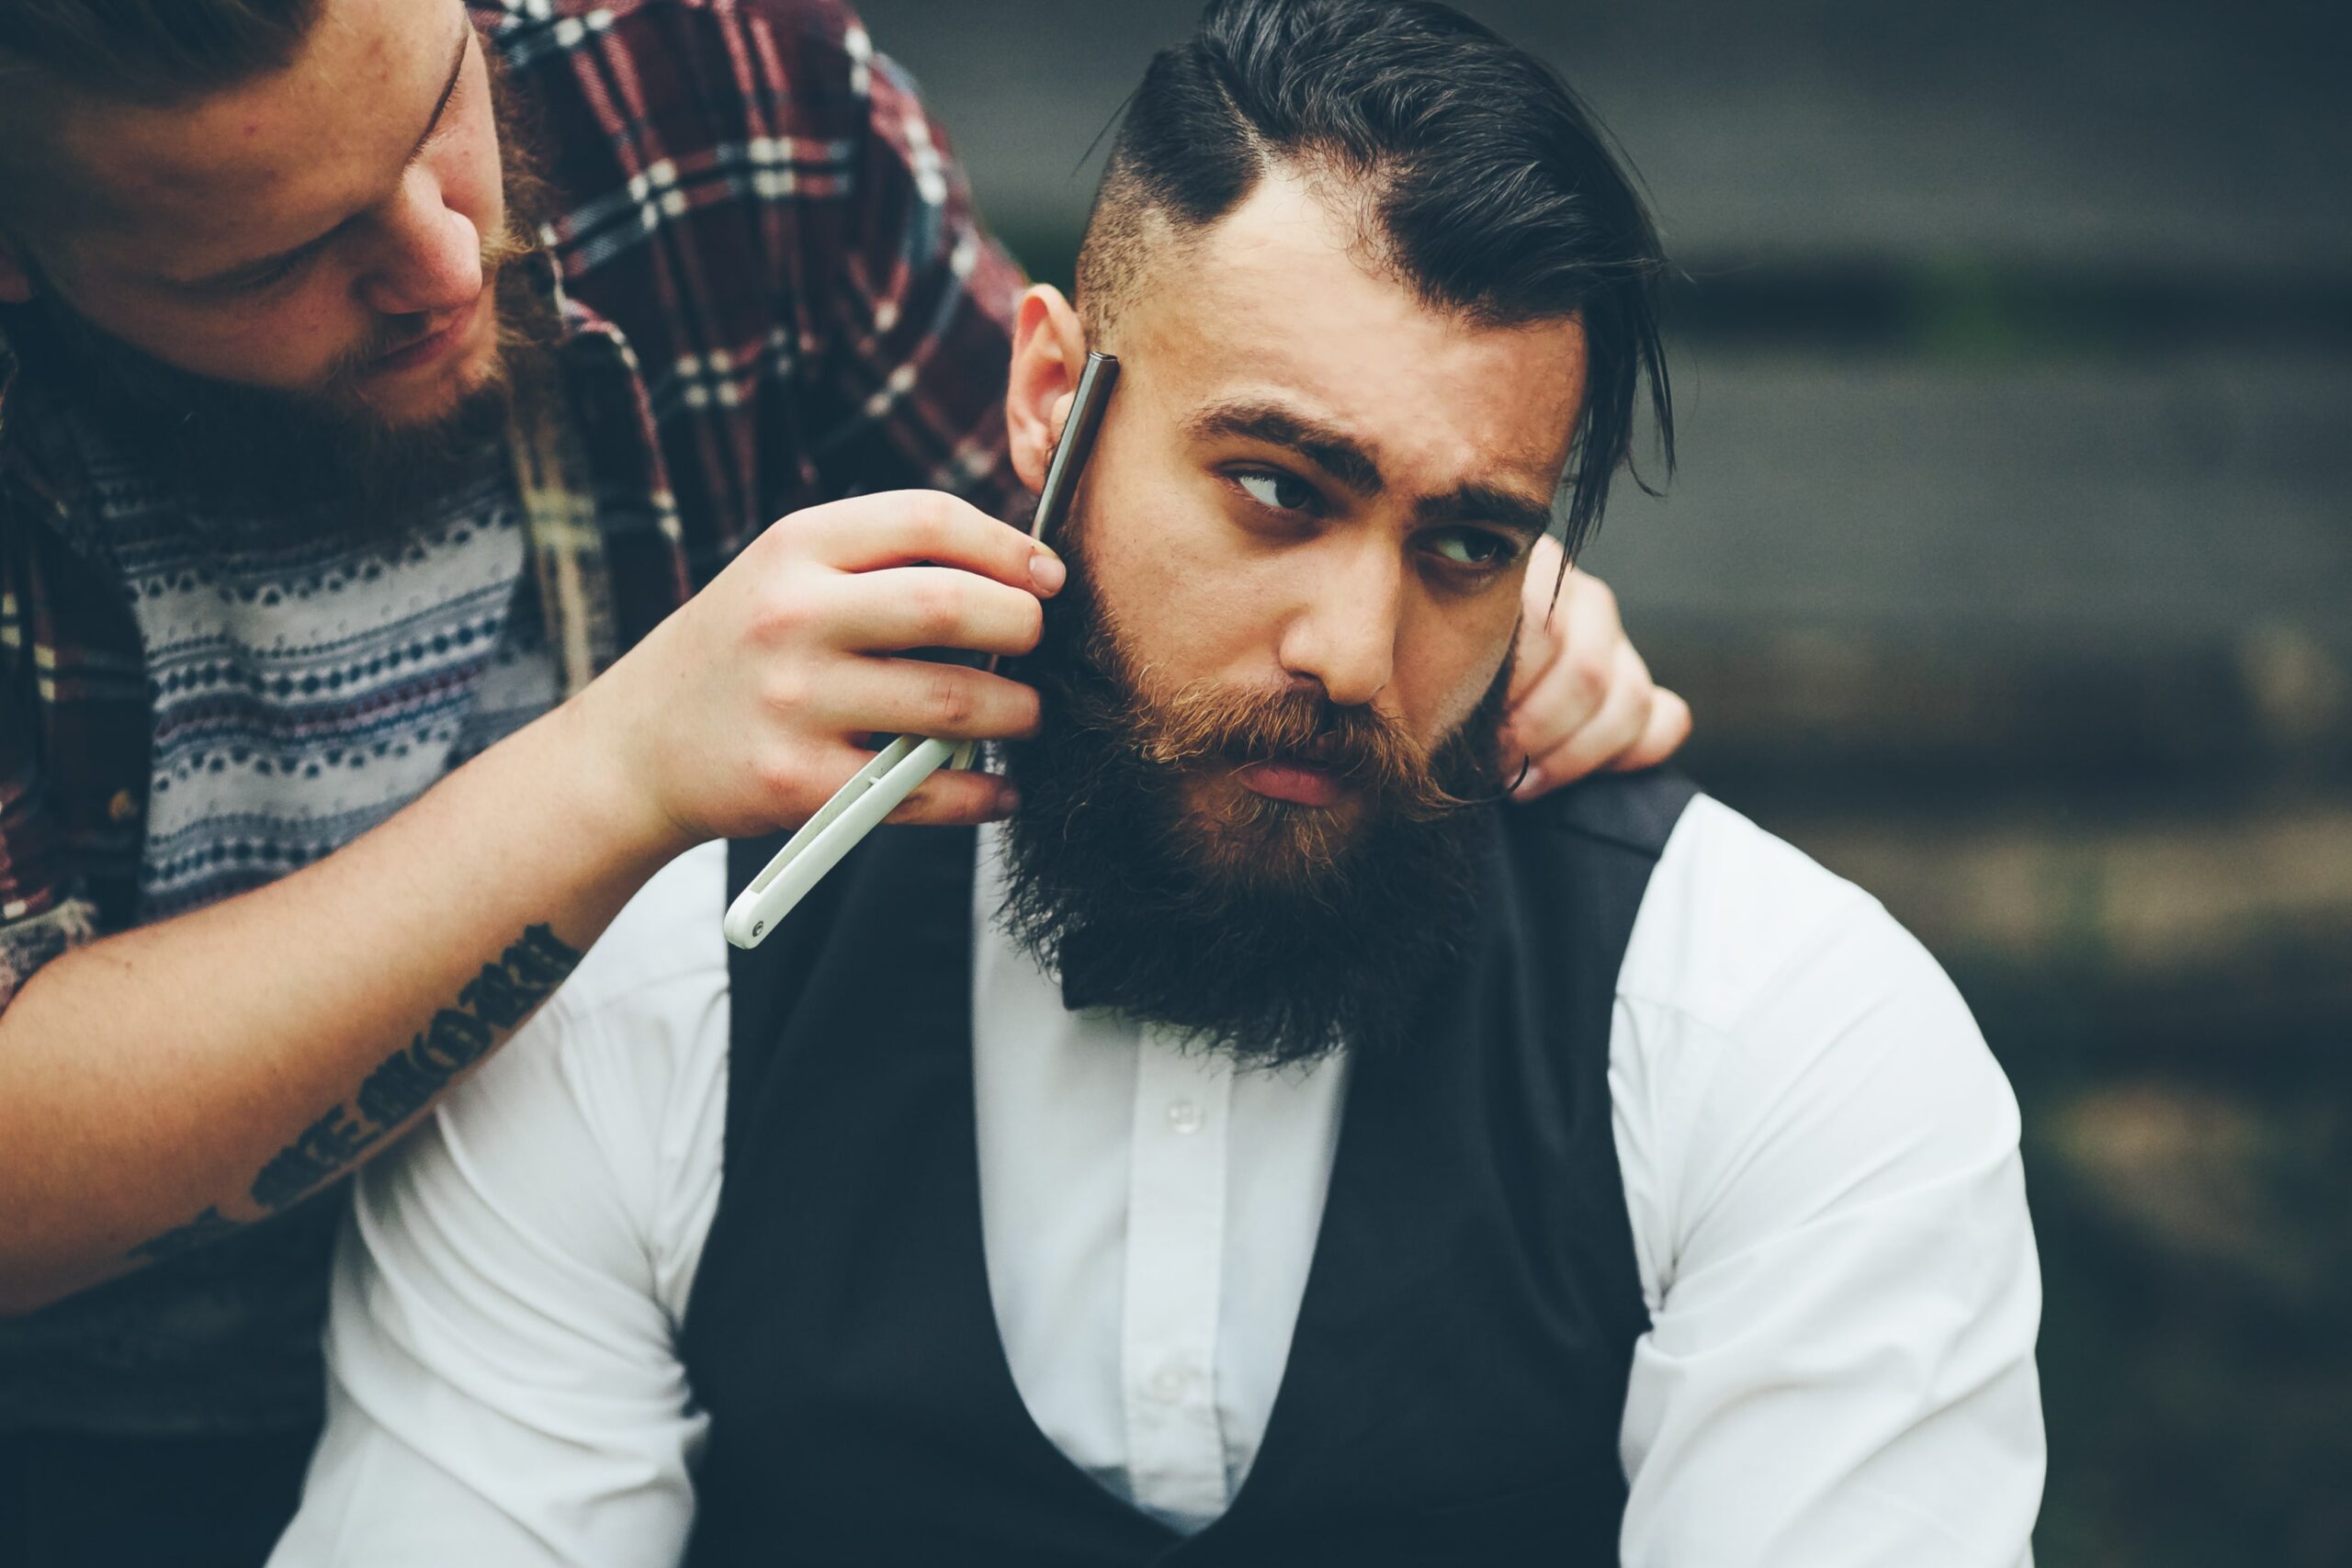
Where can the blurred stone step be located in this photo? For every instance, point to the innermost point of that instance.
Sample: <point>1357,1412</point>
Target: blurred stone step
<point>2147,898</point>
<point>1845,716</point>
<point>2210,941</point>
<point>2124,508</point>
<point>2211,136</point>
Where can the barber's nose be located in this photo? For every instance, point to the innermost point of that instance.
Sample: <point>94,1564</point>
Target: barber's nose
<point>1344,634</point>
<point>429,260</point>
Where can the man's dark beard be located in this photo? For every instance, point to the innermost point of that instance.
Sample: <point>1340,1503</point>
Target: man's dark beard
<point>318,459</point>
<point>1277,932</point>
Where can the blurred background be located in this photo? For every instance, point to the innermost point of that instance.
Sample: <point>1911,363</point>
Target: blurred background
<point>2009,570</point>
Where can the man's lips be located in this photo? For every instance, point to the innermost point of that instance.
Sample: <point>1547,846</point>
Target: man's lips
<point>1299,784</point>
<point>430,347</point>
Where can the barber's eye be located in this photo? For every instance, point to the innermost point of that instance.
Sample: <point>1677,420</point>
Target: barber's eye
<point>1272,488</point>
<point>1474,548</point>
<point>269,277</point>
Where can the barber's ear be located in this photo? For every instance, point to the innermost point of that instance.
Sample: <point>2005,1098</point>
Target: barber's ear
<point>16,277</point>
<point>1048,352</point>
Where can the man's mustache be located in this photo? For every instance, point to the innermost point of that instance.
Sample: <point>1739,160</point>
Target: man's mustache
<point>1301,727</point>
<point>394,334</point>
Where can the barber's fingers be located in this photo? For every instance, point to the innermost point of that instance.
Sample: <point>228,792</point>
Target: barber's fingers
<point>1539,595</point>
<point>869,532</point>
<point>947,797</point>
<point>899,608</point>
<point>1662,736</point>
<point>1611,730</point>
<point>917,696</point>
<point>1566,670</point>
<point>953,797</point>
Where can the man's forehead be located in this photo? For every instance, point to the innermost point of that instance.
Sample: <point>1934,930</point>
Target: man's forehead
<point>243,171</point>
<point>1279,303</point>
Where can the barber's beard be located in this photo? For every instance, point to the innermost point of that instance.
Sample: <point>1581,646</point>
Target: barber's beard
<point>318,458</point>
<point>1270,930</point>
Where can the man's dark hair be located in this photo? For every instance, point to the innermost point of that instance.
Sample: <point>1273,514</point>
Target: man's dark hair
<point>1482,181</point>
<point>144,52</point>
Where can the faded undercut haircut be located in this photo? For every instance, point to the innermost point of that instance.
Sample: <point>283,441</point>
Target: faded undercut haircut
<point>139,52</point>
<point>1480,181</point>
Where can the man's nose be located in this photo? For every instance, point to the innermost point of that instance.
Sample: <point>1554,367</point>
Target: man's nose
<point>430,257</point>
<point>1344,634</point>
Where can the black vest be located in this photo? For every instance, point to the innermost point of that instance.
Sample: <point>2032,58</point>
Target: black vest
<point>1457,1375</point>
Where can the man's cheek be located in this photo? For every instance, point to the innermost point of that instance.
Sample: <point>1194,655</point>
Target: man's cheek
<point>1467,677</point>
<point>299,348</point>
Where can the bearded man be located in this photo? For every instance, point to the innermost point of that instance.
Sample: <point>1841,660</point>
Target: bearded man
<point>377,376</point>
<point>1263,1149</point>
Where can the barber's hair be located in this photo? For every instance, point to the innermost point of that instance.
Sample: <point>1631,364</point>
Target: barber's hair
<point>150,50</point>
<point>1481,182</point>
<point>144,52</point>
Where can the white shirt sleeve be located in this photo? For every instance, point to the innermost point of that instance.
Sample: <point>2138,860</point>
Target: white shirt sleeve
<point>502,1385</point>
<point>1821,1164</point>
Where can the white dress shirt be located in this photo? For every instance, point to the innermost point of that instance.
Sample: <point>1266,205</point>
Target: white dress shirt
<point>1820,1166</point>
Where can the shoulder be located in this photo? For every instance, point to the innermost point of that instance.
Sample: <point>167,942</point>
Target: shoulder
<point>1634,813</point>
<point>1747,948</point>
<point>795,35</point>
<point>1782,1046</point>
<point>1723,905</point>
<point>1736,933</point>
<point>1729,908</point>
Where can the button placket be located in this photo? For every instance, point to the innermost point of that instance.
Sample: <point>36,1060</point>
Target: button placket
<point>1175,1254</point>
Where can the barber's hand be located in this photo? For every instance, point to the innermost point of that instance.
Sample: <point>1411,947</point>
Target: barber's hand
<point>753,702</point>
<point>1582,699</point>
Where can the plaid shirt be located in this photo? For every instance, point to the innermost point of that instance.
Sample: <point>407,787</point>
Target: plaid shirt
<point>775,293</point>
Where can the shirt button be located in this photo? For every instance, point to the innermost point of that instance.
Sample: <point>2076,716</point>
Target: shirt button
<point>1186,1116</point>
<point>123,806</point>
<point>1168,1382</point>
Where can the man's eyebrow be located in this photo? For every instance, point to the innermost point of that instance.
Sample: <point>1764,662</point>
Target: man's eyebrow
<point>1490,504</point>
<point>228,277</point>
<point>1334,451</point>
<point>1350,462</point>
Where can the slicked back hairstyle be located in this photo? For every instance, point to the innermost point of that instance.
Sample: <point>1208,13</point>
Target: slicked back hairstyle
<point>1485,185</point>
<point>144,52</point>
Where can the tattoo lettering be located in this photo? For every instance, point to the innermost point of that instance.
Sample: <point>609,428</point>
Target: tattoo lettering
<point>451,1043</point>
<point>322,1152</point>
<point>400,1087</point>
<point>541,959</point>
<point>205,1228</point>
<point>505,993</point>
<point>499,997</point>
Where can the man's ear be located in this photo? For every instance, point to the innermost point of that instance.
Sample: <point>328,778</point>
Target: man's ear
<point>1048,352</point>
<point>16,277</point>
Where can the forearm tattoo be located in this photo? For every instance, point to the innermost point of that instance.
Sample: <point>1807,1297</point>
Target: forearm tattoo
<point>497,999</point>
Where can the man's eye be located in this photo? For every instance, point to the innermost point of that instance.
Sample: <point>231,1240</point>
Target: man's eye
<point>276,273</point>
<point>268,277</point>
<point>1276,490</point>
<point>1474,548</point>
